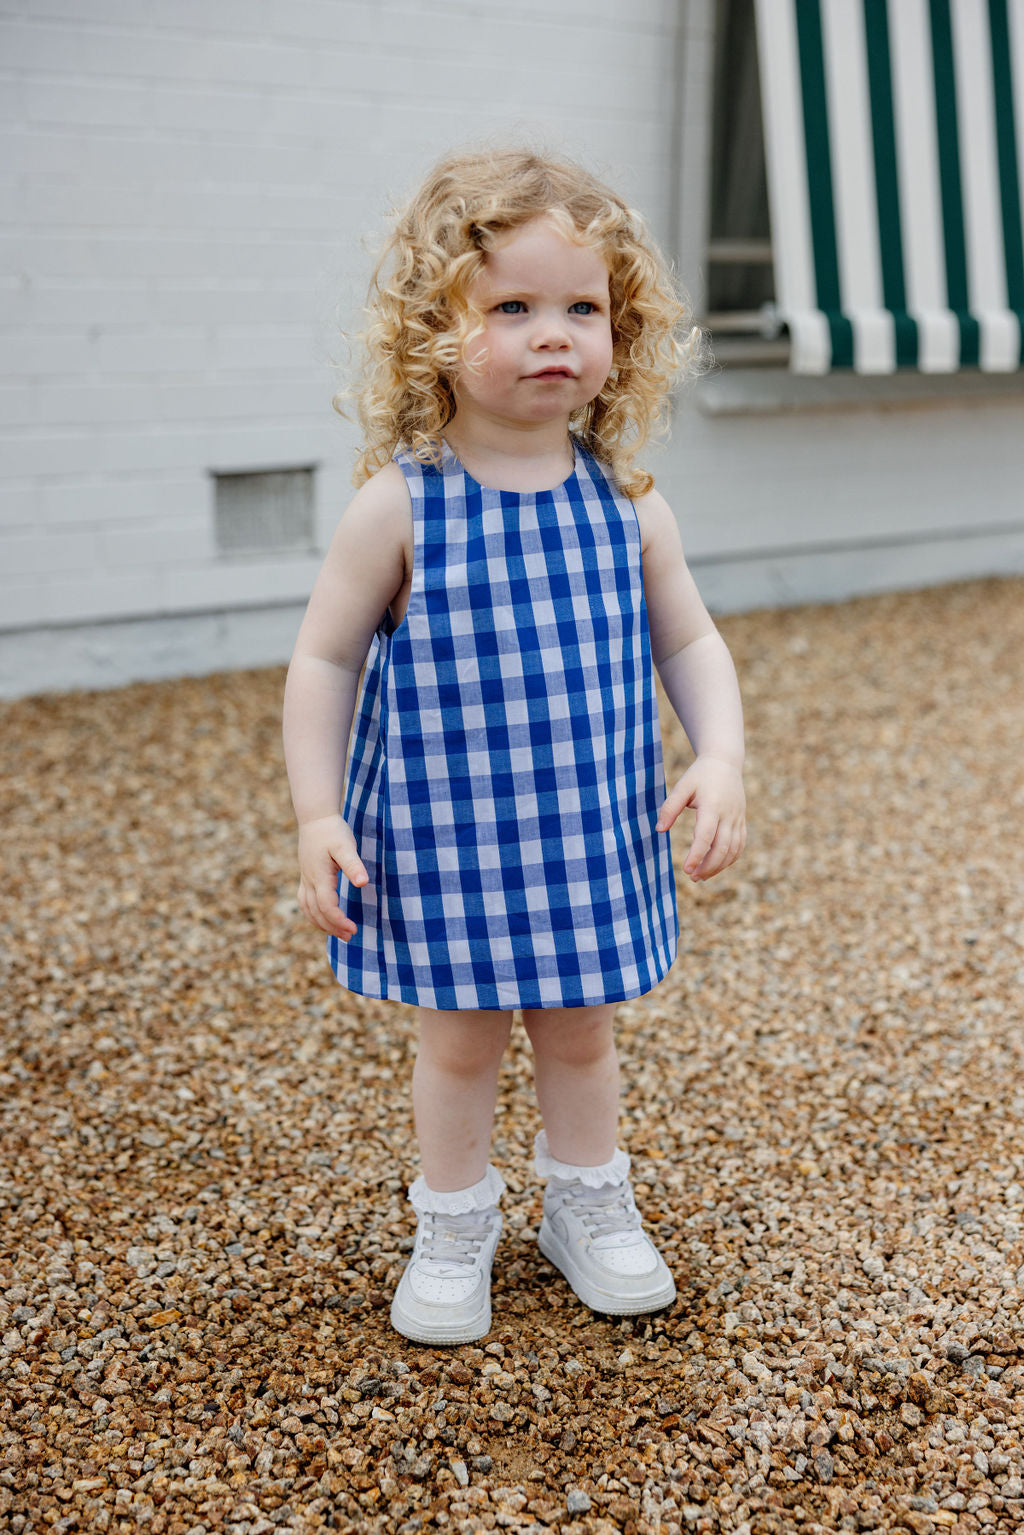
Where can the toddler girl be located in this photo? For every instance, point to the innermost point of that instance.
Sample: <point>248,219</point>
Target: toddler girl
<point>510,579</point>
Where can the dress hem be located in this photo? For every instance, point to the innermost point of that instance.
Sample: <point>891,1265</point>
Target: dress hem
<point>410,994</point>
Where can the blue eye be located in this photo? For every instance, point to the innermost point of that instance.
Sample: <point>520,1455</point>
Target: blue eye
<point>584,306</point>
<point>512,306</point>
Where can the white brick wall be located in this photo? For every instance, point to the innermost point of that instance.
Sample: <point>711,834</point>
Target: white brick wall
<point>190,193</point>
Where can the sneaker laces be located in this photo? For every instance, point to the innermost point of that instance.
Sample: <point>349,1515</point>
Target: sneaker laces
<point>451,1241</point>
<point>609,1214</point>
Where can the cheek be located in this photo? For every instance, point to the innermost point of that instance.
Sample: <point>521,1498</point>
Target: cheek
<point>476,349</point>
<point>484,356</point>
<point>603,355</point>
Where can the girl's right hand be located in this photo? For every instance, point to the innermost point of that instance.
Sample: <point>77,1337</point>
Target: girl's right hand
<point>325,846</point>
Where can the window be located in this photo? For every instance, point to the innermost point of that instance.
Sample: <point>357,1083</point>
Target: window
<point>740,289</point>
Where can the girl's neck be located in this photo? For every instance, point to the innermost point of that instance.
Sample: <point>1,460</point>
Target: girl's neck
<point>533,458</point>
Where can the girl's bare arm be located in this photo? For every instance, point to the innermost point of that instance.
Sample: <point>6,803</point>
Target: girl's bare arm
<point>362,573</point>
<point>698,675</point>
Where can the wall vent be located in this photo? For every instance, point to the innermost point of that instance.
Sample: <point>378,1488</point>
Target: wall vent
<point>265,511</point>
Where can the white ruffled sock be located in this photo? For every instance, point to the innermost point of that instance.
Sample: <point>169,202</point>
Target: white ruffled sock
<point>547,1166</point>
<point>479,1196</point>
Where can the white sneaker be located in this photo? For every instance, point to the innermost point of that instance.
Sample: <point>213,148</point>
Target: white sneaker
<point>595,1238</point>
<point>444,1295</point>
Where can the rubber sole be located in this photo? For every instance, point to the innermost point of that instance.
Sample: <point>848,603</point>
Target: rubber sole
<point>590,1294</point>
<point>421,1332</point>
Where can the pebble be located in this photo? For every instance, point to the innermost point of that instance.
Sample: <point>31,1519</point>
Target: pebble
<point>754,1368</point>
<point>204,1210</point>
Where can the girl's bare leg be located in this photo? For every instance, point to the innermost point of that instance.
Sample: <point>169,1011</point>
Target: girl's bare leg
<point>454,1091</point>
<point>576,1074</point>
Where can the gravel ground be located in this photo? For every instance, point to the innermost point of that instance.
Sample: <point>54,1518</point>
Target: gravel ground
<point>207,1142</point>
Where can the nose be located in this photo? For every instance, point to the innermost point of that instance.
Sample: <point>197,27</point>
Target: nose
<point>550,333</point>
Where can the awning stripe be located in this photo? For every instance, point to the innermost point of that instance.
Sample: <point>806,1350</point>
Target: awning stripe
<point>918,173</point>
<point>853,180</point>
<point>786,163</point>
<point>1009,174</point>
<point>819,180</point>
<point>895,147</point>
<point>999,330</point>
<point>1015,16</point>
<point>883,127</point>
<point>949,180</point>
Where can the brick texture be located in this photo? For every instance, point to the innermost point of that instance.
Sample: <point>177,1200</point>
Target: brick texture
<point>189,192</point>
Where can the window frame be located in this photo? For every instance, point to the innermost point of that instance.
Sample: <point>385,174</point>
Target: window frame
<point>738,338</point>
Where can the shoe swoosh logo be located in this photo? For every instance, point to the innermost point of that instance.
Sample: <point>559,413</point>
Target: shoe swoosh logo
<point>561,1228</point>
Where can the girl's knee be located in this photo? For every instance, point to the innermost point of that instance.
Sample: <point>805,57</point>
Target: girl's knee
<point>574,1035</point>
<point>463,1044</point>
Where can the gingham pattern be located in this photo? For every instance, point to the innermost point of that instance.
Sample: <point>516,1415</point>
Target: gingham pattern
<point>505,772</point>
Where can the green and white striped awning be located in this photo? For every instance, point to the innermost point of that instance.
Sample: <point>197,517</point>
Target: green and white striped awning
<point>894,140</point>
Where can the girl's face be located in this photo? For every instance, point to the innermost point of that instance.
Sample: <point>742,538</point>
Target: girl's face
<point>546,347</point>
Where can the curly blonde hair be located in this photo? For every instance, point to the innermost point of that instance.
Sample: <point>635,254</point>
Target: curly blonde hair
<point>422,316</point>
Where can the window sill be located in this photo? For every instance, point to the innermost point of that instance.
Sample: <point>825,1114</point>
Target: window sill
<point>766,391</point>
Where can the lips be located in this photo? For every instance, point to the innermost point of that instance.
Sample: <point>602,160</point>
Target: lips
<point>554,373</point>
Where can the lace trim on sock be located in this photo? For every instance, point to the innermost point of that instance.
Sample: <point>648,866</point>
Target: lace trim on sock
<point>479,1196</point>
<point>615,1171</point>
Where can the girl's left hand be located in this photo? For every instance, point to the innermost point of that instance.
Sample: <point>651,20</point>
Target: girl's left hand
<point>713,787</point>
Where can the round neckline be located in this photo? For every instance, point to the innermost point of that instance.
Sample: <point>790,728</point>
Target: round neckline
<point>496,490</point>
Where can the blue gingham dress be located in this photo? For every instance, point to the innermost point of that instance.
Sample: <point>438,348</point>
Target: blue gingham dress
<point>505,770</point>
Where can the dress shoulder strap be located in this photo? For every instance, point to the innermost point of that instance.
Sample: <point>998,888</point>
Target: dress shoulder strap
<point>415,468</point>
<point>600,474</point>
